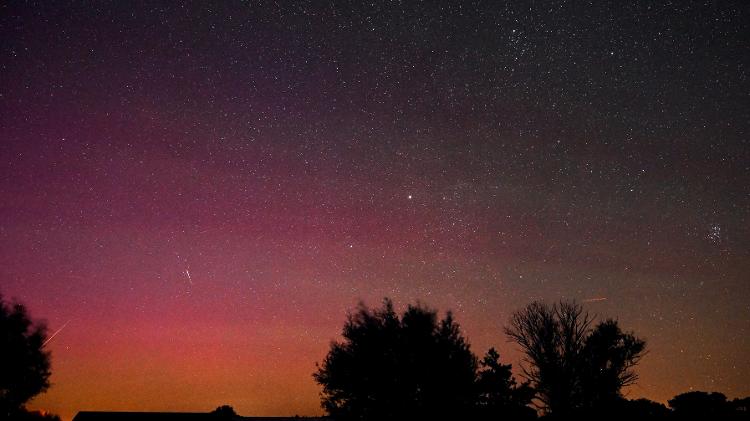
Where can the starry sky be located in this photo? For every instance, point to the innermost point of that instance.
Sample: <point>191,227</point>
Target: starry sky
<point>198,192</point>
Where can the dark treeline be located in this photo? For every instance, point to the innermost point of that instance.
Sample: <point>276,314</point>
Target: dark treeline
<point>417,366</point>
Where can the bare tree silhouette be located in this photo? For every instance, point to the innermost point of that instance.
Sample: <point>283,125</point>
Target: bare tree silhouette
<point>552,338</point>
<point>573,367</point>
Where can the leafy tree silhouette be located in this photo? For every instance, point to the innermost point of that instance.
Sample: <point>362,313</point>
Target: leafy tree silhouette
<point>700,404</point>
<point>741,406</point>
<point>573,368</point>
<point>638,409</point>
<point>224,412</point>
<point>413,367</point>
<point>24,364</point>
<point>608,359</point>
<point>498,394</point>
<point>708,405</point>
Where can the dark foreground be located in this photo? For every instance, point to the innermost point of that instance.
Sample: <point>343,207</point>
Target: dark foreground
<point>175,416</point>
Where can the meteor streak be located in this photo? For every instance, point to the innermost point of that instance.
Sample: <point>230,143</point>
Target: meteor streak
<point>55,334</point>
<point>591,300</point>
<point>187,272</point>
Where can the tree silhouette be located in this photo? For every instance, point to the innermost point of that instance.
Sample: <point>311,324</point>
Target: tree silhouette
<point>498,393</point>
<point>710,406</point>
<point>700,404</point>
<point>572,367</point>
<point>638,409</point>
<point>224,412</point>
<point>413,367</point>
<point>24,364</point>
<point>607,365</point>
<point>552,339</point>
<point>741,406</point>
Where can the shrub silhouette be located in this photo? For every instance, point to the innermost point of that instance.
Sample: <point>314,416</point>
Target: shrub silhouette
<point>24,364</point>
<point>410,367</point>
<point>574,369</point>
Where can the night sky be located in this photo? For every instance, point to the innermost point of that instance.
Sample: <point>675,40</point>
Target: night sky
<point>197,194</point>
